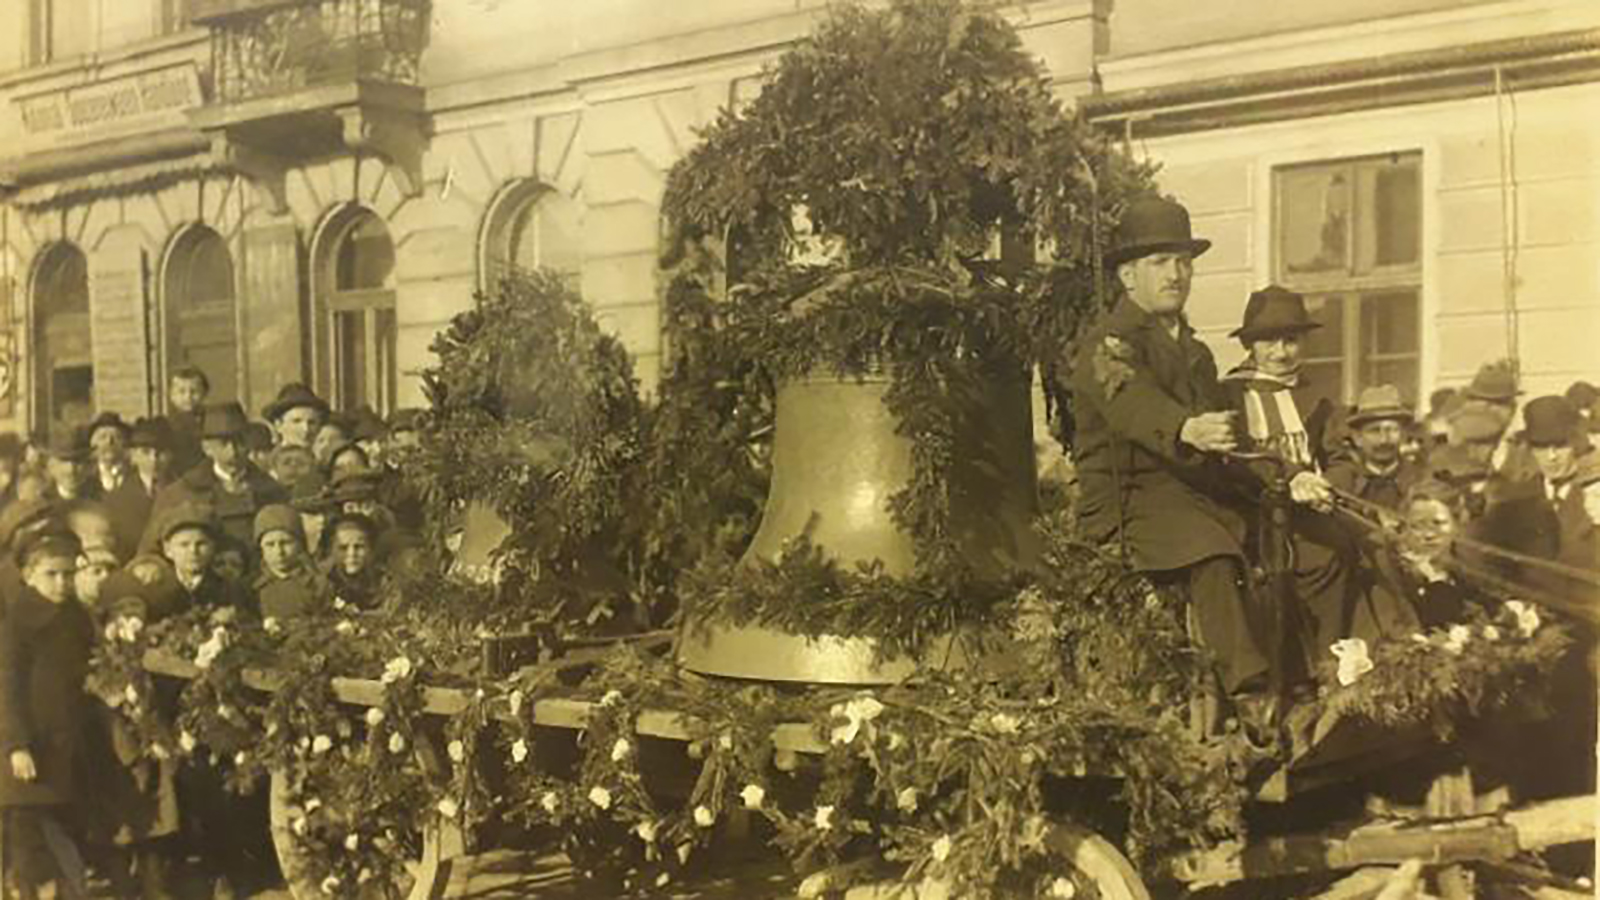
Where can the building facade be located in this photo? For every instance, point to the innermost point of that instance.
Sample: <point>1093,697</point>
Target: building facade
<point>282,190</point>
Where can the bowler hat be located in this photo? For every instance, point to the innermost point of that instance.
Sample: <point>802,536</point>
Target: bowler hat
<point>1551,420</point>
<point>290,396</point>
<point>154,434</point>
<point>225,420</point>
<point>1495,382</point>
<point>354,486</point>
<point>1154,224</point>
<point>1378,403</point>
<point>68,443</point>
<point>366,425</point>
<point>1274,311</point>
<point>278,517</point>
<point>187,514</point>
<point>108,420</point>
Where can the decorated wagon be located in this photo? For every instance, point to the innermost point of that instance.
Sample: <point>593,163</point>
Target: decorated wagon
<point>806,596</point>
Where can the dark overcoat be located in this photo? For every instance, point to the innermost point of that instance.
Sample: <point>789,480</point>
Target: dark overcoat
<point>44,657</point>
<point>1133,387</point>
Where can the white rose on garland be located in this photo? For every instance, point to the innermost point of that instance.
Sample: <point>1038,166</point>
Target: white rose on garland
<point>321,744</point>
<point>600,797</point>
<point>1456,639</point>
<point>906,800</point>
<point>1527,617</point>
<point>397,669</point>
<point>1064,889</point>
<point>457,751</point>
<point>646,831</point>
<point>823,818</point>
<point>1353,660</point>
<point>397,743</point>
<point>330,885</point>
<point>352,842</point>
<point>549,801</point>
<point>620,750</point>
<point>375,717</point>
<point>856,713</point>
<point>753,795</point>
<point>611,698</point>
<point>515,703</point>
<point>941,848</point>
<point>815,885</point>
<point>448,808</point>
<point>519,750</point>
<point>186,742</point>
<point>704,817</point>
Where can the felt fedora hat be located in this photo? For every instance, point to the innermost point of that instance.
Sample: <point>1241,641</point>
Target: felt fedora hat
<point>1378,403</point>
<point>1551,420</point>
<point>153,433</point>
<point>1154,224</point>
<point>188,514</point>
<point>225,420</point>
<point>68,443</point>
<point>1274,311</point>
<point>109,420</point>
<point>290,396</point>
<point>1495,382</point>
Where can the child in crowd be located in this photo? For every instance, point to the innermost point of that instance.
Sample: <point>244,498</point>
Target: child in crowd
<point>287,585</point>
<point>349,560</point>
<point>45,644</point>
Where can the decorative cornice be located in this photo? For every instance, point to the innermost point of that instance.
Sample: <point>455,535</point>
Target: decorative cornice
<point>1425,76</point>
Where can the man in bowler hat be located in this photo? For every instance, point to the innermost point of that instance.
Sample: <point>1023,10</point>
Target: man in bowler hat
<point>1152,421</point>
<point>230,484</point>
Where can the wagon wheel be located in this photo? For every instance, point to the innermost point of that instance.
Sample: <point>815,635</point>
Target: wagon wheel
<point>424,879</point>
<point>1096,862</point>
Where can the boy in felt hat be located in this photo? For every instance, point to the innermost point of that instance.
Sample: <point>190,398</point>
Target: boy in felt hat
<point>1378,472</point>
<point>231,485</point>
<point>188,534</point>
<point>296,414</point>
<point>45,643</point>
<point>1284,421</point>
<point>1152,420</point>
<point>288,585</point>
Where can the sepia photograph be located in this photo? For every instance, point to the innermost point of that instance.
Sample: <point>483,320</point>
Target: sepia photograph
<point>823,449</point>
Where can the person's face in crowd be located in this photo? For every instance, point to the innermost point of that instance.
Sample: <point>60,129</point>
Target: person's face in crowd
<point>297,427</point>
<point>1158,283</point>
<point>226,454</point>
<point>190,551</point>
<point>1430,526</point>
<point>291,464</point>
<point>352,549</point>
<point>186,394</point>
<point>1277,355</point>
<point>350,459</point>
<point>1379,442</point>
<point>1412,448</point>
<point>373,448</point>
<point>108,446</point>
<point>91,575</point>
<point>328,439</point>
<point>51,576</point>
<point>280,553</point>
<point>149,461</point>
<point>66,474</point>
<point>32,486</point>
<point>229,564</point>
<point>1591,501</point>
<point>1556,462</point>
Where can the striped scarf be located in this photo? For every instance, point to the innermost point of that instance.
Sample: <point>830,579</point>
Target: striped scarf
<point>1272,418</point>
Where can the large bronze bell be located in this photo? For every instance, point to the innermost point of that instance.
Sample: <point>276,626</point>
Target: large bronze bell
<point>836,462</point>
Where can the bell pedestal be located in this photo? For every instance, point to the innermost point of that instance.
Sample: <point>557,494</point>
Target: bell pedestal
<point>836,462</point>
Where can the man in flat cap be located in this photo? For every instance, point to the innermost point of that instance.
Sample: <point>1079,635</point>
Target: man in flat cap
<point>1151,420</point>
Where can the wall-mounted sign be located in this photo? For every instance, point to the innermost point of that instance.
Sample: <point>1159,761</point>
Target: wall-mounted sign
<point>115,101</point>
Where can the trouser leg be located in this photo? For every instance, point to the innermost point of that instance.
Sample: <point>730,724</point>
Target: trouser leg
<point>1232,625</point>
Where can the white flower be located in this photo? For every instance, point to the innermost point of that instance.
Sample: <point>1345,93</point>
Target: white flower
<point>1491,633</point>
<point>664,879</point>
<point>160,751</point>
<point>906,800</point>
<point>126,629</point>
<point>703,817</point>
<point>397,669</point>
<point>941,848</point>
<point>457,751</point>
<point>823,818</point>
<point>683,853</point>
<point>330,885</point>
<point>516,703</point>
<point>207,653</point>
<point>186,742</point>
<point>815,885</point>
<point>611,698</point>
<point>241,758</point>
<point>375,717</point>
<point>397,743</point>
<point>312,805</point>
<point>1456,640</point>
<point>299,825</point>
<point>1005,723</point>
<point>600,797</point>
<point>321,744</point>
<point>345,626</point>
<point>1063,888</point>
<point>896,741</point>
<point>1527,617</point>
<point>519,750</point>
<point>131,694</point>
<point>448,808</point>
<point>857,712</point>
<point>646,831</point>
<point>725,741</point>
<point>754,795</point>
<point>620,750</point>
<point>270,625</point>
<point>1353,660</point>
<point>339,604</point>
<point>550,802</point>
<point>352,843</point>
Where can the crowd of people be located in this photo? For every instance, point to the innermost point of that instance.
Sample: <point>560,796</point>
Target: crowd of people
<point>1291,524</point>
<point>200,508</point>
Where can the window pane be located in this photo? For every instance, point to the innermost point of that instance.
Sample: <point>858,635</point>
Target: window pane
<point>350,358</point>
<point>1390,232</point>
<point>1323,380</point>
<point>384,344</point>
<point>547,234</point>
<point>1402,373</point>
<point>1326,342</point>
<point>210,277</point>
<point>366,257</point>
<point>1314,220</point>
<point>1389,323</point>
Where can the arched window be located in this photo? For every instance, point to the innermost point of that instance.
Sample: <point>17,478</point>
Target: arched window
<point>358,329</point>
<point>534,226</point>
<point>63,369</point>
<point>200,323</point>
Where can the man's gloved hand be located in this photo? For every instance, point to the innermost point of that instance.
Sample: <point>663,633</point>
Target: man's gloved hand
<point>1210,432</point>
<point>1312,490</point>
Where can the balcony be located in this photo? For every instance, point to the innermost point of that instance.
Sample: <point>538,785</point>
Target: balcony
<point>298,80</point>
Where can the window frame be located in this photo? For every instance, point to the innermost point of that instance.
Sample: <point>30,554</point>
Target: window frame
<point>380,363</point>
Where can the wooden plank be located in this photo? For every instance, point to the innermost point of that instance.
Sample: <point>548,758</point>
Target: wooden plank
<point>1555,822</point>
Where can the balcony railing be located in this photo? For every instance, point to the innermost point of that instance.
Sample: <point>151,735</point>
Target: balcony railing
<point>265,48</point>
